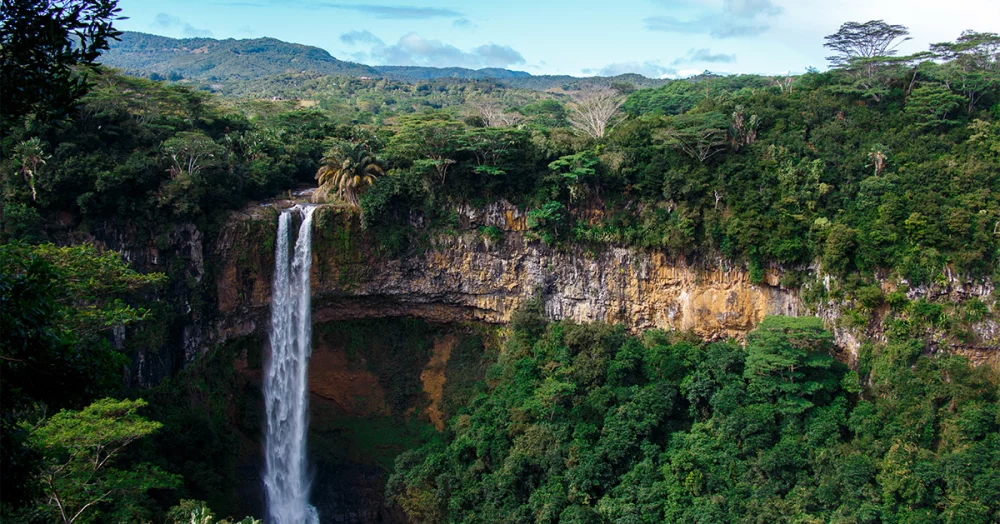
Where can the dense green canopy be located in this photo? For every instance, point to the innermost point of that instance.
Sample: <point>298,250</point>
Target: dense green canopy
<point>584,423</point>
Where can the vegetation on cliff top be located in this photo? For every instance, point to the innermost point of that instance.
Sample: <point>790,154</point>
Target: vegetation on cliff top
<point>883,164</point>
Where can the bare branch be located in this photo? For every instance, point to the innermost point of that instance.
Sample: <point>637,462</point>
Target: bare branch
<point>595,111</point>
<point>493,114</point>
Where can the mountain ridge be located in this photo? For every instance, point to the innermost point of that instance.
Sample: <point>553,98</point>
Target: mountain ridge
<point>215,61</point>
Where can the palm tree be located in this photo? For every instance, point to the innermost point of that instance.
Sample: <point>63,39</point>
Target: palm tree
<point>878,156</point>
<point>348,168</point>
<point>29,157</point>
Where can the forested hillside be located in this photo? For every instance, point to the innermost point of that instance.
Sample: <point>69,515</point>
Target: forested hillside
<point>221,61</point>
<point>869,192</point>
<point>239,66</point>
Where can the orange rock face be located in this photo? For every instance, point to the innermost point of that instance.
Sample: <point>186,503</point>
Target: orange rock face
<point>468,276</point>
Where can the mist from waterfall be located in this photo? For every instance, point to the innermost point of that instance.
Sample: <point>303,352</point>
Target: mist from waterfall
<point>286,479</point>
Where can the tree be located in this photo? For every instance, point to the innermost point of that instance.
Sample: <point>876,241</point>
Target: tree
<point>189,152</point>
<point>784,84</point>
<point>496,150</point>
<point>79,450</point>
<point>549,222</point>
<point>46,47</point>
<point>347,169</point>
<point>191,159</point>
<point>29,158</point>
<point>58,304</point>
<point>973,64</point>
<point>743,130</point>
<point>788,362</point>
<point>871,39</point>
<point>865,51</point>
<point>699,135</point>
<point>430,140</point>
<point>577,173</point>
<point>595,110</point>
<point>493,113</point>
<point>877,154</point>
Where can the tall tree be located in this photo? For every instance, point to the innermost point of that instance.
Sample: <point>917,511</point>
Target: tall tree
<point>595,110</point>
<point>494,115</point>
<point>973,67</point>
<point>58,304</point>
<point>46,47</point>
<point>431,141</point>
<point>877,154</point>
<point>871,39</point>
<point>29,157</point>
<point>743,130</point>
<point>866,51</point>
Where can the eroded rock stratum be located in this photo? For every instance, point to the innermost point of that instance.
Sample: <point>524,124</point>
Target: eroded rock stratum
<point>467,275</point>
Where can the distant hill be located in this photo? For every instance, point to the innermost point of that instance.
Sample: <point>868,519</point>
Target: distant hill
<point>211,60</point>
<point>519,79</point>
<point>230,62</point>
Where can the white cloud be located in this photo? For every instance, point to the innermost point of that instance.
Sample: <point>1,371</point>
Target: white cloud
<point>165,21</point>
<point>415,50</point>
<point>651,69</point>
<point>360,37</point>
<point>703,55</point>
<point>395,12</point>
<point>735,18</point>
<point>463,23</point>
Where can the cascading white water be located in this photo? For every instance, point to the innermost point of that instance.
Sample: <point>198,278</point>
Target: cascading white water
<point>286,479</point>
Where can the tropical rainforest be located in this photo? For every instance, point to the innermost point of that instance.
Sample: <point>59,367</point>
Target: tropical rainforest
<point>869,186</point>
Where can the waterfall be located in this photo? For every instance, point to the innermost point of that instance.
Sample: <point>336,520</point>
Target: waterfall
<point>285,479</point>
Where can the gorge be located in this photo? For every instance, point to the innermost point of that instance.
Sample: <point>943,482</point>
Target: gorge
<point>449,294</point>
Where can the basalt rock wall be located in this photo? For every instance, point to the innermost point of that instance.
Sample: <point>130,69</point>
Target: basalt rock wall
<point>468,275</point>
<point>481,270</point>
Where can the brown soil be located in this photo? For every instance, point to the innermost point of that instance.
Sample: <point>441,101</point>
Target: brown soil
<point>353,389</point>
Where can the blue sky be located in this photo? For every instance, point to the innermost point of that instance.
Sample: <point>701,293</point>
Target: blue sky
<point>658,38</point>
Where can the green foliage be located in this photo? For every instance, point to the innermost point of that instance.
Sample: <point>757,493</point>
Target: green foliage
<point>698,135</point>
<point>764,171</point>
<point>79,451</point>
<point>972,66</point>
<point>216,61</point>
<point>45,49</point>
<point>932,104</point>
<point>584,423</point>
<point>430,141</point>
<point>680,96</point>
<point>156,154</point>
<point>197,512</point>
<point>549,222</point>
<point>58,304</point>
<point>347,170</point>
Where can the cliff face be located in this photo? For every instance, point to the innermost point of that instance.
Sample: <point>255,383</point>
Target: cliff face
<point>470,276</point>
<point>221,284</point>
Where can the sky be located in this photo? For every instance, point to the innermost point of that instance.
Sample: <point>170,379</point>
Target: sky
<point>656,38</point>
